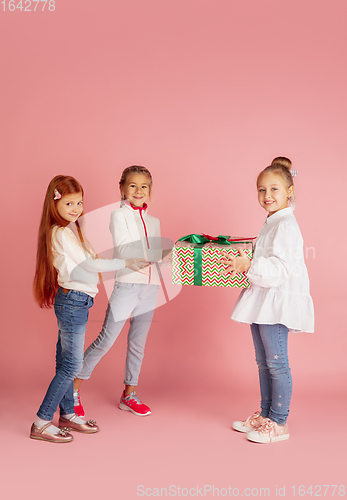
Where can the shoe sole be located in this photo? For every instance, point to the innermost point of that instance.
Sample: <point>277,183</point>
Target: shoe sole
<point>240,428</point>
<point>122,406</point>
<point>273,440</point>
<point>49,440</point>
<point>78,430</point>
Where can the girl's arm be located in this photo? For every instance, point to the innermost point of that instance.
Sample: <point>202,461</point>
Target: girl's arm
<point>277,263</point>
<point>67,245</point>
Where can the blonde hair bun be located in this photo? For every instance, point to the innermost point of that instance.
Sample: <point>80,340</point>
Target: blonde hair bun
<point>283,161</point>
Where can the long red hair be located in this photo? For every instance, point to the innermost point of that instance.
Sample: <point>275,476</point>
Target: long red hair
<point>45,281</point>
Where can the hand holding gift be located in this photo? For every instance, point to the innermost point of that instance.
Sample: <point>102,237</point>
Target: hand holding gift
<point>167,256</point>
<point>138,265</point>
<point>235,264</point>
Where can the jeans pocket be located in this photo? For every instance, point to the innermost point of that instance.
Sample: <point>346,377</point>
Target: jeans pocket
<point>79,299</point>
<point>120,284</point>
<point>81,304</point>
<point>72,318</point>
<point>59,311</point>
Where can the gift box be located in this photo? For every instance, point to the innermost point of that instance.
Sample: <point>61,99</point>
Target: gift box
<point>194,260</point>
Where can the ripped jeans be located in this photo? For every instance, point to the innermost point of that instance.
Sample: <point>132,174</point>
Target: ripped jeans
<point>271,354</point>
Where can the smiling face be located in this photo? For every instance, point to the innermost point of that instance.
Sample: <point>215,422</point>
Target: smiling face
<point>272,193</point>
<point>136,189</point>
<point>70,206</point>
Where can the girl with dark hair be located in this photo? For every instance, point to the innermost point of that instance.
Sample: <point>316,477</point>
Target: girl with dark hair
<point>135,234</point>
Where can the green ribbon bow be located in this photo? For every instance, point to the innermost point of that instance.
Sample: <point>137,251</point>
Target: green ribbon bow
<point>201,239</point>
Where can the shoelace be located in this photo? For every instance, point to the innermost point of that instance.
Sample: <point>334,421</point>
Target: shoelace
<point>266,426</point>
<point>134,397</point>
<point>252,418</point>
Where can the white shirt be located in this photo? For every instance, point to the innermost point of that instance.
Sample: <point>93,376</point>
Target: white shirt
<point>280,289</point>
<point>77,270</point>
<point>136,234</point>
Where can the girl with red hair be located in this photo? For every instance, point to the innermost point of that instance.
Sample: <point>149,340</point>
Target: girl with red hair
<point>66,276</point>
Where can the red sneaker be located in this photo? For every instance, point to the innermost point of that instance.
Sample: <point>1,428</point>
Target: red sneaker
<point>79,410</point>
<point>133,403</point>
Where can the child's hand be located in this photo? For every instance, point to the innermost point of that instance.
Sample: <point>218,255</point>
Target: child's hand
<point>138,265</point>
<point>239,264</point>
<point>167,256</point>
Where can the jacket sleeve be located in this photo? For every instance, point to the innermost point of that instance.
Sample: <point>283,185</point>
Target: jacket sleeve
<point>66,243</point>
<point>274,266</point>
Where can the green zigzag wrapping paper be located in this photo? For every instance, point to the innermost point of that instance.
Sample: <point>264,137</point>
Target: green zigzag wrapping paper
<point>190,268</point>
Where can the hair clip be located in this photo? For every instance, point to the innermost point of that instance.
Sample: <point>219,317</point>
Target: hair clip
<point>294,173</point>
<point>57,195</point>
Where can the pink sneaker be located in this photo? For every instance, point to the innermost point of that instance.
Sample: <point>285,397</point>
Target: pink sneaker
<point>79,410</point>
<point>249,424</point>
<point>269,432</point>
<point>133,403</point>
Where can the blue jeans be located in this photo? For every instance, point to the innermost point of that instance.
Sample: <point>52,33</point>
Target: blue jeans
<point>271,354</point>
<point>71,309</point>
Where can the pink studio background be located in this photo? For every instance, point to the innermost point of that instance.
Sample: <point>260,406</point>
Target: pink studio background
<point>204,93</point>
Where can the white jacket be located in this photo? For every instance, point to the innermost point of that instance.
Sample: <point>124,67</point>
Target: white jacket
<point>136,234</point>
<point>280,289</point>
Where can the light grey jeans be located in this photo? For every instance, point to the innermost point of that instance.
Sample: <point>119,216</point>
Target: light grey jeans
<point>127,299</point>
